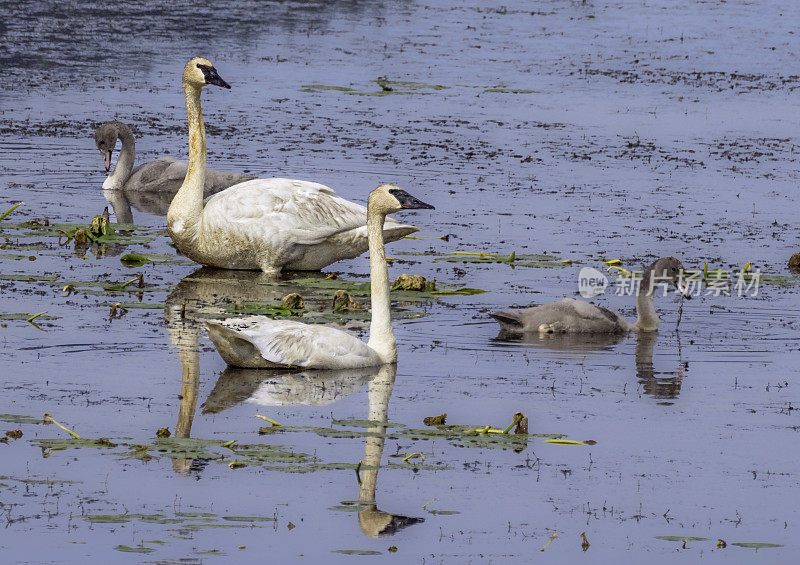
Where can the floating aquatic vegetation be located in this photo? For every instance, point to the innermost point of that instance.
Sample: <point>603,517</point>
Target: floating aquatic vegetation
<point>270,310</point>
<point>681,538</point>
<point>29,278</point>
<point>105,232</point>
<point>357,423</point>
<point>19,419</point>
<point>387,87</point>
<point>137,549</point>
<point>584,542</point>
<point>139,259</point>
<point>357,552</point>
<point>512,259</point>
<point>438,512</point>
<point>27,316</point>
<point>249,518</point>
<point>131,305</point>
<point>49,446</point>
<point>16,257</point>
<point>5,214</point>
<point>755,545</point>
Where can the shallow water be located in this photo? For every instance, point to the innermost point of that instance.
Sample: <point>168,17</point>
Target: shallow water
<point>583,130</point>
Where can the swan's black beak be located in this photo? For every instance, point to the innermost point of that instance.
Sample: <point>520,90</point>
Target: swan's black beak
<point>106,158</point>
<point>212,77</point>
<point>408,202</point>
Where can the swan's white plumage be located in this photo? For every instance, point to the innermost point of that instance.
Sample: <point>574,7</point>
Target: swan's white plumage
<point>286,343</point>
<point>279,223</point>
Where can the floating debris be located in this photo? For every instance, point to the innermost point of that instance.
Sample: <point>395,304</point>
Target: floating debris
<point>721,543</point>
<point>435,420</point>
<point>47,418</point>
<point>270,420</point>
<point>413,455</point>
<point>342,301</point>
<point>163,432</point>
<point>522,423</point>
<point>584,542</point>
<point>14,434</point>
<point>552,537</point>
<point>293,301</point>
<point>414,283</point>
<point>117,311</point>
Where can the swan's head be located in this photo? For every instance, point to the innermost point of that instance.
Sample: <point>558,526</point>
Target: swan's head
<point>200,72</point>
<point>670,270</point>
<point>388,199</point>
<point>105,138</point>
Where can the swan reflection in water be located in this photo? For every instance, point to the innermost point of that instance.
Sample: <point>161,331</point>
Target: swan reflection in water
<point>572,345</point>
<point>660,385</point>
<point>154,203</point>
<point>204,293</point>
<point>199,295</point>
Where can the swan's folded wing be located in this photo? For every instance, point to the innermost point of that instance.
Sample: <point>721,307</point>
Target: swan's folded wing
<point>165,173</point>
<point>289,344</point>
<point>283,212</point>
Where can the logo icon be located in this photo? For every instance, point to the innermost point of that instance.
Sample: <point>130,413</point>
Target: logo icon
<point>591,282</point>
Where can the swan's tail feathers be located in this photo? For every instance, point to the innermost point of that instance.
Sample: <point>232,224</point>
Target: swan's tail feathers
<point>236,348</point>
<point>509,321</point>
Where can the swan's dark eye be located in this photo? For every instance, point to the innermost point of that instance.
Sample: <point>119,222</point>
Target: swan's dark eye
<point>674,269</point>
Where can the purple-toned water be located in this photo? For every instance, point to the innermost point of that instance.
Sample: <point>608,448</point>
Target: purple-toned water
<point>584,130</point>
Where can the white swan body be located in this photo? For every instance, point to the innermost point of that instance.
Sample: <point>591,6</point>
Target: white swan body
<point>577,316</point>
<point>165,174</point>
<point>274,224</point>
<point>267,224</point>
<point>261,342</point>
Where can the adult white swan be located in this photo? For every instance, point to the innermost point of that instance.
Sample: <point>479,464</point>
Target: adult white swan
<point>261,342</point>
<point>576,316</point>
<point>165,174</point>
<point>267,224</point>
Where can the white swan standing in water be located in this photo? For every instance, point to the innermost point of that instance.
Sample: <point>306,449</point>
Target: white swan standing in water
<point>577,316</point>
<point>165,174</point>
<point>261,342</point>
<point>267,224</point>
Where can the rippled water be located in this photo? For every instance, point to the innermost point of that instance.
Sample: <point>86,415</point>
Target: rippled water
<point>582,130</point>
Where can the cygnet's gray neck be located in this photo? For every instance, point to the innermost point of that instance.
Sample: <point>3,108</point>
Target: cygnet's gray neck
<point>122,171</point>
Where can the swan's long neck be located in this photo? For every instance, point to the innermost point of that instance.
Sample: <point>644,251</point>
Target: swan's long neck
<point>647,317</point>
<point>122,170</point>
<point>381,335</point>
<point>186,210</point>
